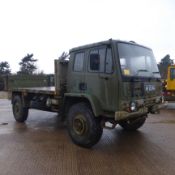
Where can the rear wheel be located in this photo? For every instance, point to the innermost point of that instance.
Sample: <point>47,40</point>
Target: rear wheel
<point>19,111</point>
<point>84,129</point>
<point>133,124</point>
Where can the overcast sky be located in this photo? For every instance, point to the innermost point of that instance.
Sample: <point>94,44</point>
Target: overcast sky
<point>46,28</point>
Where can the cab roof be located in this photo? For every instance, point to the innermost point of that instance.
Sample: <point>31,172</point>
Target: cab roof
<point>107,42</point>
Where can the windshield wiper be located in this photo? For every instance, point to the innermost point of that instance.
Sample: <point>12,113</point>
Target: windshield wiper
<point>157,76</point>
<point>156,72</point>
<point>141,70</point>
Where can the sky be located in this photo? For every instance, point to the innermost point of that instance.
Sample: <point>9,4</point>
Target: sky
<point>46,28</point>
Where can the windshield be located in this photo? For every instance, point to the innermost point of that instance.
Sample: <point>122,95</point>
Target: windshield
<point>137,61</point>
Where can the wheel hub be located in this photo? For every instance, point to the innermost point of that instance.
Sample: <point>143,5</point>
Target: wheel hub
<point>79,125</point>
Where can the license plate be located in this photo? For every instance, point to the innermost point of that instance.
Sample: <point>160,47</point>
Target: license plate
<point>150,88</point>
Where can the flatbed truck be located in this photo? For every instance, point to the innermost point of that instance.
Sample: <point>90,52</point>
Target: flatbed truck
<point>111,81</point>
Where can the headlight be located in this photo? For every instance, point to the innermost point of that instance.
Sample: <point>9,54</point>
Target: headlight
<point>133,106</point>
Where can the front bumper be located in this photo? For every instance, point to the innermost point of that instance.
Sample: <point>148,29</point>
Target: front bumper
<point>124,115</point>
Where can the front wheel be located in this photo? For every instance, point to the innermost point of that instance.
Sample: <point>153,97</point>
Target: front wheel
<point>133,124</point>
<point>84,129</point>
<point>19,111</point>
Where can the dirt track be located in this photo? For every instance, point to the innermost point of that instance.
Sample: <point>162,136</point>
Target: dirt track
<point>42,146</point>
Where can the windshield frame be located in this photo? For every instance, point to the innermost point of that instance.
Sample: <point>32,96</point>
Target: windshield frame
<point>142,71</point>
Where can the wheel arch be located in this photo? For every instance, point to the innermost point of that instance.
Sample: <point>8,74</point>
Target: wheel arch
<point>73,98</point>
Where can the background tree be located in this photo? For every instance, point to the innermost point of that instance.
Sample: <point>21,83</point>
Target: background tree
<point>163,65</point>
<point>27,65</point>
<point>4,68</point>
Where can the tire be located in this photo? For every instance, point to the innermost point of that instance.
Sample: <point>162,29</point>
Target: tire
<point>84,129</point>
<point>132,125</point>
<point>19,111</point>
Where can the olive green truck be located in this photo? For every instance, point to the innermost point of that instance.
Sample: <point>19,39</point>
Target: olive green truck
<point>110,82</point>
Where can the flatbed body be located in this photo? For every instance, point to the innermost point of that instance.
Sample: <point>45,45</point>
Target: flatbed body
<point>42,98</point>
<point>37,90</point>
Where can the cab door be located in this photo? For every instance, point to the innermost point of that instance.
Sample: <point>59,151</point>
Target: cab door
<point>100,77</point>
<point>108,81</point>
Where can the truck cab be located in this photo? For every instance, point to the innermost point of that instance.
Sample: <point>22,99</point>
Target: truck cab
<point>119,79</point>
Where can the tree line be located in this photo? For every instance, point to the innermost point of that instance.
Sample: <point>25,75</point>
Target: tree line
<point>27,66</point>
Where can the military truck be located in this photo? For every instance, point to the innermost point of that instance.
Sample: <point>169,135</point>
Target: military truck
<point>109,82</point>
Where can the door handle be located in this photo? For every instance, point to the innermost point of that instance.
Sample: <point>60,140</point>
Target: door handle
<point>105,77</point>
<point>82,86</point>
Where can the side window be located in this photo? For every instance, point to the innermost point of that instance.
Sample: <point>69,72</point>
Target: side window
<point>94,60</point>
<point>109,63</point>
<point>101,60</point>
<point>97,59</point>
<point>78,62</point>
